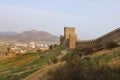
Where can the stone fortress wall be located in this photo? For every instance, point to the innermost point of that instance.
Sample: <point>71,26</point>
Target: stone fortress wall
<point>70,39</point>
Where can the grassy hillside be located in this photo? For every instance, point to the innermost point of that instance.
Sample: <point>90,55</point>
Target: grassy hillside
<point>102,65</point>
<point>19,67</point>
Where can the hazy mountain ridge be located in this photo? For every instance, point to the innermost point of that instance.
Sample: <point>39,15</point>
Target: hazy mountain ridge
<point>26,36</point>
<point>8,33</point>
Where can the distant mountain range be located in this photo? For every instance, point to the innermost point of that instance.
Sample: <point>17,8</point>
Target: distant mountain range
<point>8,33</point>
<point>27,36</point>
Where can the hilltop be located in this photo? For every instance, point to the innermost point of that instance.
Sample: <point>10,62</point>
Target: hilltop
<point>27,36</point>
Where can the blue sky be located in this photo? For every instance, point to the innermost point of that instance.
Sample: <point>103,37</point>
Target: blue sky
<point>91,18</point>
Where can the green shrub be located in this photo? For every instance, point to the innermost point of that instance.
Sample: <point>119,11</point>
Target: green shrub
<point>82,69</point>
<point>51,47</point>
<point>52,60</point>
<point>110,45</point>
<point>70,56</point>
<point>86,51</point>
<point>55,45</point>
<point>99,48</point>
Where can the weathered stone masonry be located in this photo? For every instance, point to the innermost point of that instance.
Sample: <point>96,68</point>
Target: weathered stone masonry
<point>70,39</point>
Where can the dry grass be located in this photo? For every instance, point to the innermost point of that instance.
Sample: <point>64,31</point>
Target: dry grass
<point>19,67</point>
<point>39,74</point>
<point>103,65</point>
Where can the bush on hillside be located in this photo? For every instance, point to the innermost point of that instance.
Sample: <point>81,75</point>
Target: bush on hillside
<point>54,60</point>
<point>55,45</point>
<point>110,45</point>
<point>98,48</point>
<point>70,56</point>
<point>87,51</point>
<point>51,47</point>
<point>82,69</point>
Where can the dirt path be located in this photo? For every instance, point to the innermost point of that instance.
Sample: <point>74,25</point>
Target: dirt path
<point>63,53</point>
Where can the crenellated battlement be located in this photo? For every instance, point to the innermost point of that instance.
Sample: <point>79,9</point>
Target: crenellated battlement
<point>70,31</point>
<point>111,36</point>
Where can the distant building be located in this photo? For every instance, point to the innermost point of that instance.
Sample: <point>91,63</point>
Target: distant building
<point>21,45</point>
<point>32,45</point>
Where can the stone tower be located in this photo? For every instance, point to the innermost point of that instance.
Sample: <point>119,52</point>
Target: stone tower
<point>70,37</point>
<point>68,31</point>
